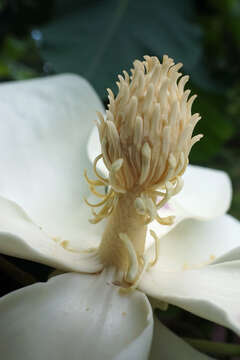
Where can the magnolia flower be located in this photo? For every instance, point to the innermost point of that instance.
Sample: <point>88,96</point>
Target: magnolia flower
<point>82,314</point>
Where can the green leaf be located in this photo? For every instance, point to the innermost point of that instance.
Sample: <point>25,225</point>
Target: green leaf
<point>214,348</point>
<point>20,71</point>
<point>216,126</point>
<point>14,48</point>
<point>98,39</point>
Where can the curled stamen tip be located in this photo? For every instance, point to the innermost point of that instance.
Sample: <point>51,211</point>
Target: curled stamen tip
<point>86,201</point>
<point>92,221</point>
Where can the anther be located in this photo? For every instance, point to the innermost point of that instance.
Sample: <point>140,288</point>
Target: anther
<point>146,160</point>
<point>133,261</point>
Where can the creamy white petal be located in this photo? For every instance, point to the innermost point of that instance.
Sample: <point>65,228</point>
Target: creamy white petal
<point>231,255</point>
<point>75,316</point>
<point>44,128</point>
<point>206,193</point>
<point>94,149</point>
<point>168,346</point>
<point>212,292</point>
<point>193,244</point>
<point>20,237</point>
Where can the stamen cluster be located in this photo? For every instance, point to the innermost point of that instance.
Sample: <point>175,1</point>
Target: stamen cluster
<point>146,137</point>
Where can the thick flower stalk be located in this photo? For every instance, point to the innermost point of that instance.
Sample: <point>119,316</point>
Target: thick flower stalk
<point>145,139</point>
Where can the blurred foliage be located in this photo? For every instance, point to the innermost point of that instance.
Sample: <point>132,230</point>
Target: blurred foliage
<point>220,21</point>
<point>13,62</point>
<point>98,39</point>
<point>19,53</point>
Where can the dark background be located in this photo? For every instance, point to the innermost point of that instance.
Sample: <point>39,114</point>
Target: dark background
<point>98,39</point>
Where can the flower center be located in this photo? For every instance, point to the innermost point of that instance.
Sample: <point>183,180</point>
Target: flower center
<point>146,138</point>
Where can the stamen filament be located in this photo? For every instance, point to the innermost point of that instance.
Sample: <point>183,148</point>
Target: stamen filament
<point>157,247</point>
<point>101,202</point>
<point>105,181</point>
<point>93,182</point>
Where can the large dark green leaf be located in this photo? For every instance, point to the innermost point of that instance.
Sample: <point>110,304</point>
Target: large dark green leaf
<point>216,126</point>
<point>98,39</point>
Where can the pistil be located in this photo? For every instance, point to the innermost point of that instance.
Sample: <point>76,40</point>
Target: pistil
<point>123,220</point>
<point>146,137</point>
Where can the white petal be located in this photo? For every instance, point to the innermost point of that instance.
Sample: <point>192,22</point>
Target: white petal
<point>75,316</point>
<point>231,255</point>
<point>212,292</point>
<point>168,346</point>
<point>44,128</point>
<point>206,193</point>
<point>193,244</point>
<point>94,149</point>
<point>20,237</point>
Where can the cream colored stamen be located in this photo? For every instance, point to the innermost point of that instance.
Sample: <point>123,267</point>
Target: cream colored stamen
<point>146,137</point>
<point>104,181</point>
<point>157,247</point>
